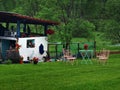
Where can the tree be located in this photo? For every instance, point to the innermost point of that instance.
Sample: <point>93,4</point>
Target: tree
<point>72,14</point>
<point>83,28</point>
<point>7,5</point>
<point>113,9</point>
<point>48,10</point>
<point>110,26</point>
<point>112,31</point>
<point>78,18</point>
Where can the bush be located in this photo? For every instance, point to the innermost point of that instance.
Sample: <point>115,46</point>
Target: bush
<point>84,28</point>
<point>8,61</point>
<point>13,56</point>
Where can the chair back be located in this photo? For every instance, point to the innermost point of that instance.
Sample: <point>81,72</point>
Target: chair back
<point>104,54</point>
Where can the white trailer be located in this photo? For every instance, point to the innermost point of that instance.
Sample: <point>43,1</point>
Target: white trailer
<point>31,44</point>
<point>33,47</point>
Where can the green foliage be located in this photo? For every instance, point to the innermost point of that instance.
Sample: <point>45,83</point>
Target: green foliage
<point>112,31</point>
<point>13,56</point>
<point>113,9</point>
<point>65,33</point>
<point>7,5</point>
<point>78,18</point>
<point>8,61</point>
<point>84,28</point>
<point>93,8</point>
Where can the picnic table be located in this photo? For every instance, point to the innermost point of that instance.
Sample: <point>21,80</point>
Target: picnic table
<point>87,55</point>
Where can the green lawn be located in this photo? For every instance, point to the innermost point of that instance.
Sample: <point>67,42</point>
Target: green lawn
<point>61,76</point>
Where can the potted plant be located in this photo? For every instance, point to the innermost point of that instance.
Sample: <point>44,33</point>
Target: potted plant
<point>35,60</point>
<point>21,59</point>
<point>50,31</point>
<point>86,46</point>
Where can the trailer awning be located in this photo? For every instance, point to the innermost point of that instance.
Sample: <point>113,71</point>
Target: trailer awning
<point>14,17</point>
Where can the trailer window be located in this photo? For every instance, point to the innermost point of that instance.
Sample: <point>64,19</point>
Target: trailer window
<point>31,43</point>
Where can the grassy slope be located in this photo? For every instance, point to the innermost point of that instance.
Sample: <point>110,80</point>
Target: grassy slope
<point>61,76</point>
<point>100,42</point>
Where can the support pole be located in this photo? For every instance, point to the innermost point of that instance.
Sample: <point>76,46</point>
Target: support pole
<point>18,29</point>
<point>78,47</point>
<point>24,28</point>
<point>45,29</point>
<point>7,26</point>
<point>56,51</point>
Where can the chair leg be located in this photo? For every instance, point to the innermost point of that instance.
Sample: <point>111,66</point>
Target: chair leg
<point>102,61</point>
<point>105,61</point>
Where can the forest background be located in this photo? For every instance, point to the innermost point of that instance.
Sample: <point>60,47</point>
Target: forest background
<point>78,18</point>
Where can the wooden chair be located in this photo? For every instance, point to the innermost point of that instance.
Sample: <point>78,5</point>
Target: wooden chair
<point>68,55</point>
<point>103,56</point>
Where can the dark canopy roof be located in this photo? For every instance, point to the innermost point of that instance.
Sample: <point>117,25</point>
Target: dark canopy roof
<point>13,18</point>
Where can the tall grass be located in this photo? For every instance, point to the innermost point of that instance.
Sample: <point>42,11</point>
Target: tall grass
<point>61,76</point>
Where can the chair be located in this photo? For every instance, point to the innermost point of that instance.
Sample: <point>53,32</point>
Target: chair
<point>68,55</point>
<point>103,56</point>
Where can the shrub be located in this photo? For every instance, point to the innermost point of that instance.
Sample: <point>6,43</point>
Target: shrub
<point>13,56</point>
<point>8,61</point>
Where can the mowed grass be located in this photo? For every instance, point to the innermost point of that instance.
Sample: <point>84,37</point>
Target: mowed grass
<point>61,76</point>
